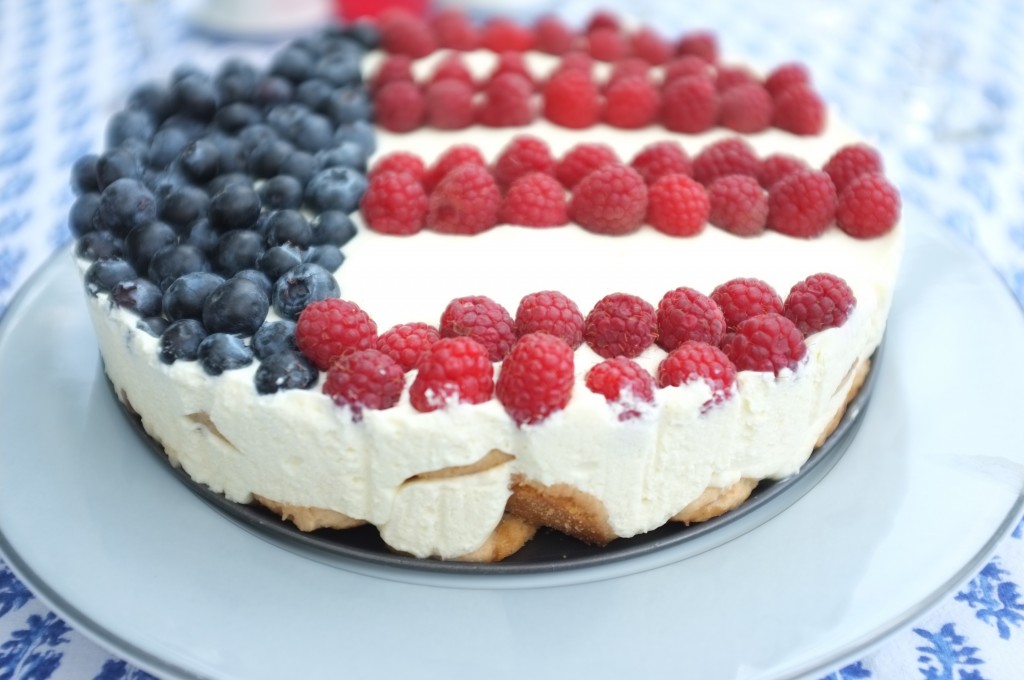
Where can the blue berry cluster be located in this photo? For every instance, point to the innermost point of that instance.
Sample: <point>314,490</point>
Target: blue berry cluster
<point>196,216</point>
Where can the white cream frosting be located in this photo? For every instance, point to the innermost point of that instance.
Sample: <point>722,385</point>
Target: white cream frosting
<point>297,447</point>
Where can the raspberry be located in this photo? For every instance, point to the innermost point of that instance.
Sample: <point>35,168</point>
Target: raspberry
<point>552,36</point>
<point>453,67</point>
<point>869,207</point>
<point>685,67</point>
<point>766,342</point>
<point>745,108</point>
<point>399,106</point>
<point>467,201</point>
<point>366,379</point>
<point>581,160</point>
<point>393,68</point>
<point>689,104</point>
<point>550,312</point>
<point>677,206</point>
<point>453,369</point>
<point>727,77</point>
<point>536,379</point>
<point>732,156</point>
<point>449,105</point>
<point>620,325</point>
<point>457,155</point>
<point>785,76</point>
<point>610,200</point>
<point>454,30</point>
<point>331,328</point>
<point>512,62</point>
<point>818,302</point>
<point>407,342</point>
<point>507,102</point>
<point>703,44</point>
<point>850,162</point>
<point>626,68</point>
<point>504,35</point>
<point>399,161</point>
<point>738,205</point>
<point>571,99</point>
<point>802,204</point>
<point>484,320</point>
<point>574,61</point>
<point>685,314</point>
<point>394,203</point>
<point>403,33</point>
<point>776,166</point>
<point>651,47</point>
<point>523,155</point>
<point>602,20</point>
<point>741,299</point>
<point>799,109</point>
<point>535,200</point>
<point>624,383</point>
<point>607,44</point>
<point>662,158</point>
<point>693,361</point>
<point>631,102</point>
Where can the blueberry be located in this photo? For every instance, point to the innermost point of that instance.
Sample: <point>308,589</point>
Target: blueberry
<point>235,81</point>
<point>359,132</point>
<point>167,144</point>
<point>301,165</point>
<point>195,96</point>
<point>180,340</point>
<point>124,205</point>
<point>164,182</point>
<point>273,337</point>
<point>81,217</point>
<point>222,182</point>
<point>341,69</point>
<point>153,98</point>
<point>103,275</point>
<point>185,297</point>
<point>237,250</point>
<point>293,63</point>
<point>283,116</point>
<point>236,207</point>
<point>83,175</point>
<point>335,189</point>
<point>253,135</point>
<point>314,93</point>
<point>300,286</point>
<point>288,370</point>
<point>235,306</point>
<point>344,155</point>
<point>233,154</point>
<point>115,164</point>
<point>219,352</point>
<point>272,90</point>
<point>192,127</point>
<point>332,227</point>
<point>184,205</point>
<point>328,257</point>
<point>129,124</point>
<point>349,105</point>
<point>137,295</point>
<point>173,261</point>
<point>142,243</point>
<point>200,160</point>
<point>236,115</point>
<point>278,260</point>
<point>201,235</point>
<point>281,192</point>
<point>259,278</point>
<point>288,226</point>
<point>266,157</point>
<point>99,245</point>
<point>363,32</point>
<point>185,70</point>
<point>153,325</point>
<point>311,132</point>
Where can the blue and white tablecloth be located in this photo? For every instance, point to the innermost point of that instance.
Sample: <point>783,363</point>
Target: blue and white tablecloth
<point>939,84</point>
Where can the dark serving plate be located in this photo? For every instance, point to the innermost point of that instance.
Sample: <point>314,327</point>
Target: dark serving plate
<point>549,550</point>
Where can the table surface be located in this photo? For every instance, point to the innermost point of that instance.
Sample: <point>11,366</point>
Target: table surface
<point>936,84</point>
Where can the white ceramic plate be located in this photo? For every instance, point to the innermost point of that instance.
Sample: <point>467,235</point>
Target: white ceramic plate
<point>107,536</point>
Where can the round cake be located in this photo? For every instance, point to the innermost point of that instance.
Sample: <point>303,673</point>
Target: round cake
<point>461,282</point>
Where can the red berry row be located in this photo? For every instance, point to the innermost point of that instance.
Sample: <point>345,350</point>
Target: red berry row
<point>726,184</point>
<point>690,96</point>
<point>743,325</point>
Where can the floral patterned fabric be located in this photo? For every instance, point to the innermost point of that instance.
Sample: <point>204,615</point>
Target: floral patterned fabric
<point>936,83</point>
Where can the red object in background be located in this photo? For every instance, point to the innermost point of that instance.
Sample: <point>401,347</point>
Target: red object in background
<point>350,10</point>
